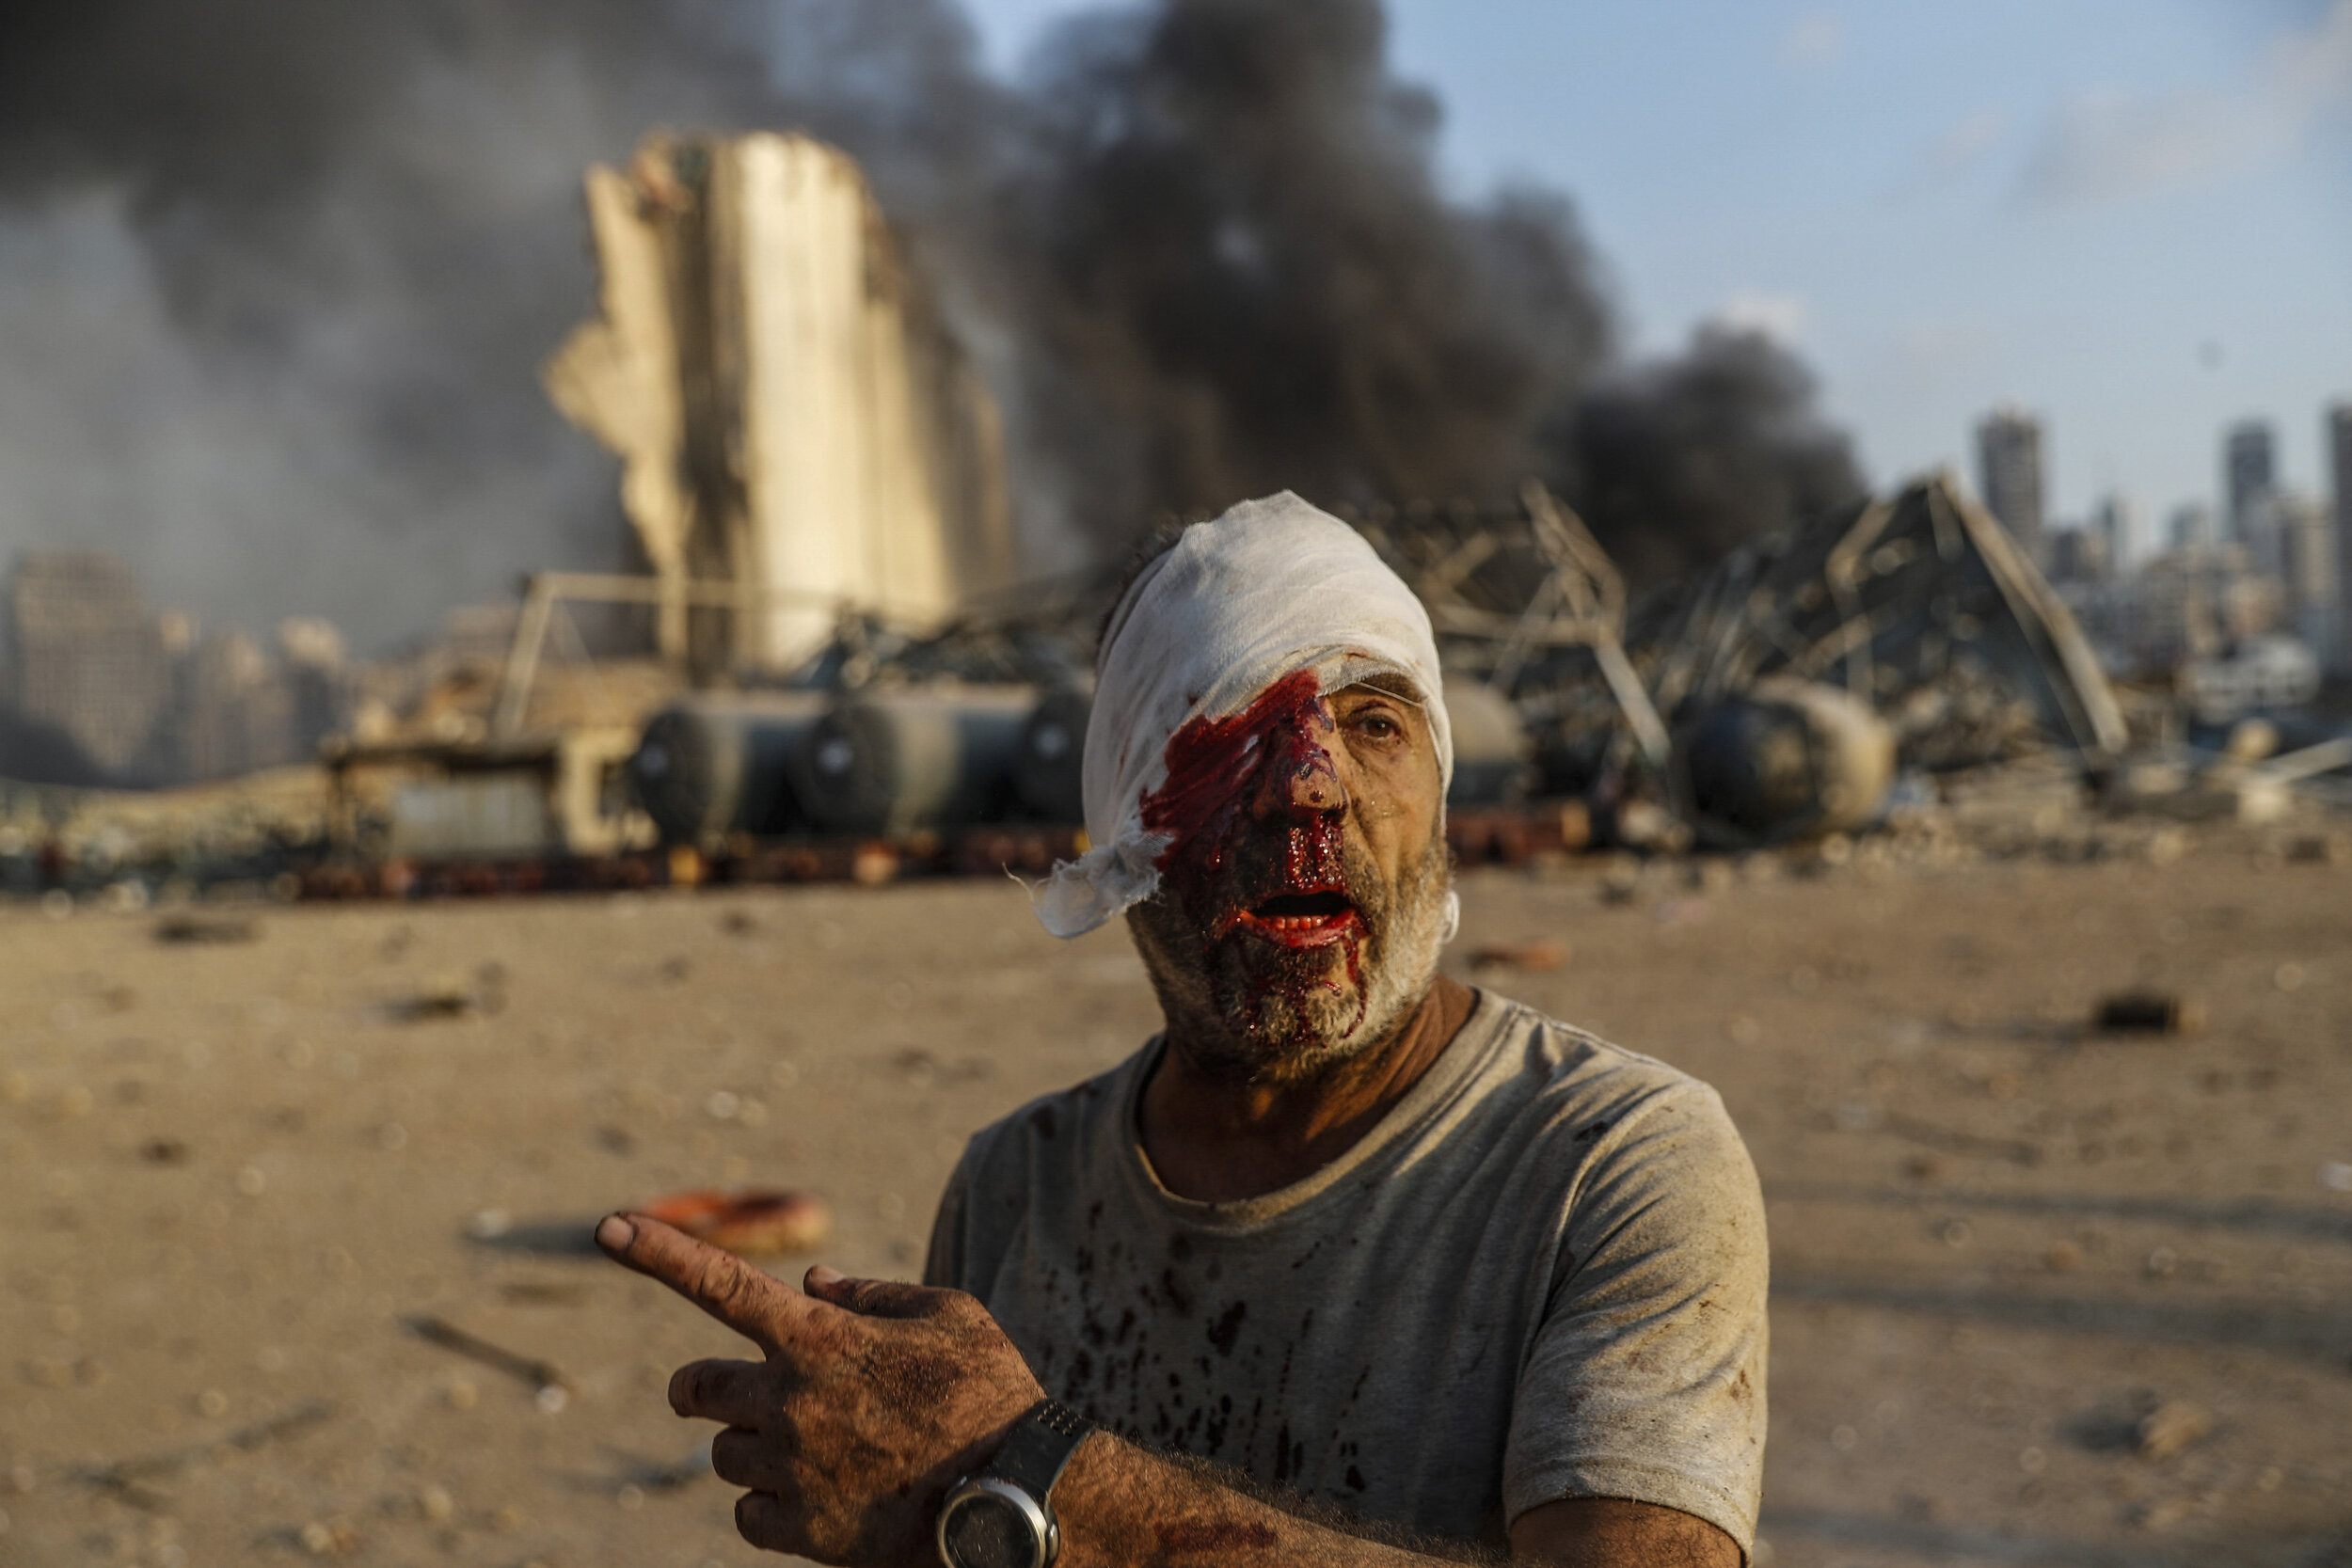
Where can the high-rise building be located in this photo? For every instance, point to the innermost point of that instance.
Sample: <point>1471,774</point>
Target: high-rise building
<point>311,655</point>
<point>2339,468</point>
<point>2249,472</point>
<point>2307,557</point>
<point>241,709</point>
<point>2008,458</point>
<point>2192,527</point>
<point>2117,521</point>
<point>2079,555</point>
<point>88,669</point>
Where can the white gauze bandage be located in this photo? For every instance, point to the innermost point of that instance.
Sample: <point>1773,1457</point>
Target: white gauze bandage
<point>1272,586</point>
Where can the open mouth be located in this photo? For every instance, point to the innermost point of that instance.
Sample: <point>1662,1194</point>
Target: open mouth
<point>1303,919</point>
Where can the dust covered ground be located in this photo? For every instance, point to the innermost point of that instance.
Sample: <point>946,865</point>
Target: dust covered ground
<point>239,1170</point>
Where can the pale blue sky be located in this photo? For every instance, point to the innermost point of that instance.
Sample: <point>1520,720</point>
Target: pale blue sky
<point>2134,216</point>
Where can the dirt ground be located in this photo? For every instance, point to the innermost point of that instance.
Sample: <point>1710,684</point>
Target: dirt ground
<point>239,1171</point>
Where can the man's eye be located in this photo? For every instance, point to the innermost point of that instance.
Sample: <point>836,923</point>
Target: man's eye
<point>1379,726</point>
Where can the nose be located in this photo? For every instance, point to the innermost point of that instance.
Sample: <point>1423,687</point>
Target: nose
<point>1300,778</point>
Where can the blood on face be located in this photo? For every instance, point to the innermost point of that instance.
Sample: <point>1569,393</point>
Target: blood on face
<point>1266,771</point>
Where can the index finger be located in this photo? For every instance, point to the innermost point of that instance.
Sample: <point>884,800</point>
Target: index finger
<point>759,1306</point>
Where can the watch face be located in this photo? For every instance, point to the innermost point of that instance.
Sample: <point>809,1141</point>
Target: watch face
<point>984,1530</point>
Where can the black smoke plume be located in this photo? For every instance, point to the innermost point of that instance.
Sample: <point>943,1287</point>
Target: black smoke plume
<point>1676,461</point>
<point>276,277</point>
<point>1241,274</point>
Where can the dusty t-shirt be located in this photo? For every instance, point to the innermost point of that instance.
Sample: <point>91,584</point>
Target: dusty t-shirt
<point>1540,1275</point>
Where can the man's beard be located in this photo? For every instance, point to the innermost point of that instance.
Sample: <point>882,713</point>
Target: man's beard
<point>1270,1014</point>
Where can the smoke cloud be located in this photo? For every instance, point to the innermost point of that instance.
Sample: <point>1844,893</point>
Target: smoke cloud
<point>1239,274</point>
<point>275,279</point>
<point>1676,462</point>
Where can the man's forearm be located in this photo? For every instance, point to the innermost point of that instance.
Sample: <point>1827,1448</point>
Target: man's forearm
<point>1120,1506</point>
<point>850,1412</point>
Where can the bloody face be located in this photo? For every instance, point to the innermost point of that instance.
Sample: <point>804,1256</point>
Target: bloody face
<point>1304,887</point>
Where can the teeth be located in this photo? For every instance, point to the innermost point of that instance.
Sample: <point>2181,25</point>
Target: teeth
<point>1298,922</point>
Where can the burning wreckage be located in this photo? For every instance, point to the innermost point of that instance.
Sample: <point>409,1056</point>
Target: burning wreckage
<point>1804,687</point>
<point>842,674</point>
<point>860,684</point>
<point>1777,696</point>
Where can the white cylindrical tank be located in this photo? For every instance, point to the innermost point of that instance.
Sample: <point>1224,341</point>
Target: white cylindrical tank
<point>1785,760</point>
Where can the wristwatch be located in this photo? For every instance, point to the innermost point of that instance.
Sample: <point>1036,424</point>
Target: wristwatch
<point>1001,1516</point>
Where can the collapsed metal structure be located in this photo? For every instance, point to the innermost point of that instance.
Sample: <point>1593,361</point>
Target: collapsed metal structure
<point>812,473</point>
<point>1774,695</point>
<point>1768,700</point>
<point>1919,605</point>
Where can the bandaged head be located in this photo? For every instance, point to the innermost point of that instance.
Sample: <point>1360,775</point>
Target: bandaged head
<point>1271,588</point>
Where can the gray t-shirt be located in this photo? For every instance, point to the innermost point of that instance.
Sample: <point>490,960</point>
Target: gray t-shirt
<point>1540,1275</point>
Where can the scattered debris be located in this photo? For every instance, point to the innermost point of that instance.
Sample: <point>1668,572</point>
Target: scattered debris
<point>2333,849</point>
<point>203,930</point>
<point>329,1538</point>
<point>2171,1428</point>
<point>452,996</point>
<point>561,1236</point>
<point>748,1222</point>
<point>1543,954</point>
<point>874,864</point>
<point>548,1382</point>
<point>454,1001</point>
<point>2149,1013</point>
<point>656,1476</point>
<point>543,1292</point>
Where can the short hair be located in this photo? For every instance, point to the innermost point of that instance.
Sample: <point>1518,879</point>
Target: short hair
<point>1156,542</point>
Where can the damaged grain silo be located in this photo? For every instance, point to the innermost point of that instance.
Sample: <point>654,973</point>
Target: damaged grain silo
<point>800,431</point>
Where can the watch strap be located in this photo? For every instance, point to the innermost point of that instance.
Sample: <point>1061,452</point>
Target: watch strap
<point>1038,1449</point>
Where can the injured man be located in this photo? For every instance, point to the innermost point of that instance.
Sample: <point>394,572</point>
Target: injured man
<point>1350,1264</point>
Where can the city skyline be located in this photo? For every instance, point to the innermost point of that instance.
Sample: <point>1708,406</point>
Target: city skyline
<point>2124,215</point>
<point>2133,528</point>
<point>1942,209</point>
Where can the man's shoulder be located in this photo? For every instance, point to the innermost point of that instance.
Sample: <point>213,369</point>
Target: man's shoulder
<point>1060,1130</point>
<point>1558,1067</point>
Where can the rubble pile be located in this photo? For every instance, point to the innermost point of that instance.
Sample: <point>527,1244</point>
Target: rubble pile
<point>1864,686</point>
<point>1894,685</point>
